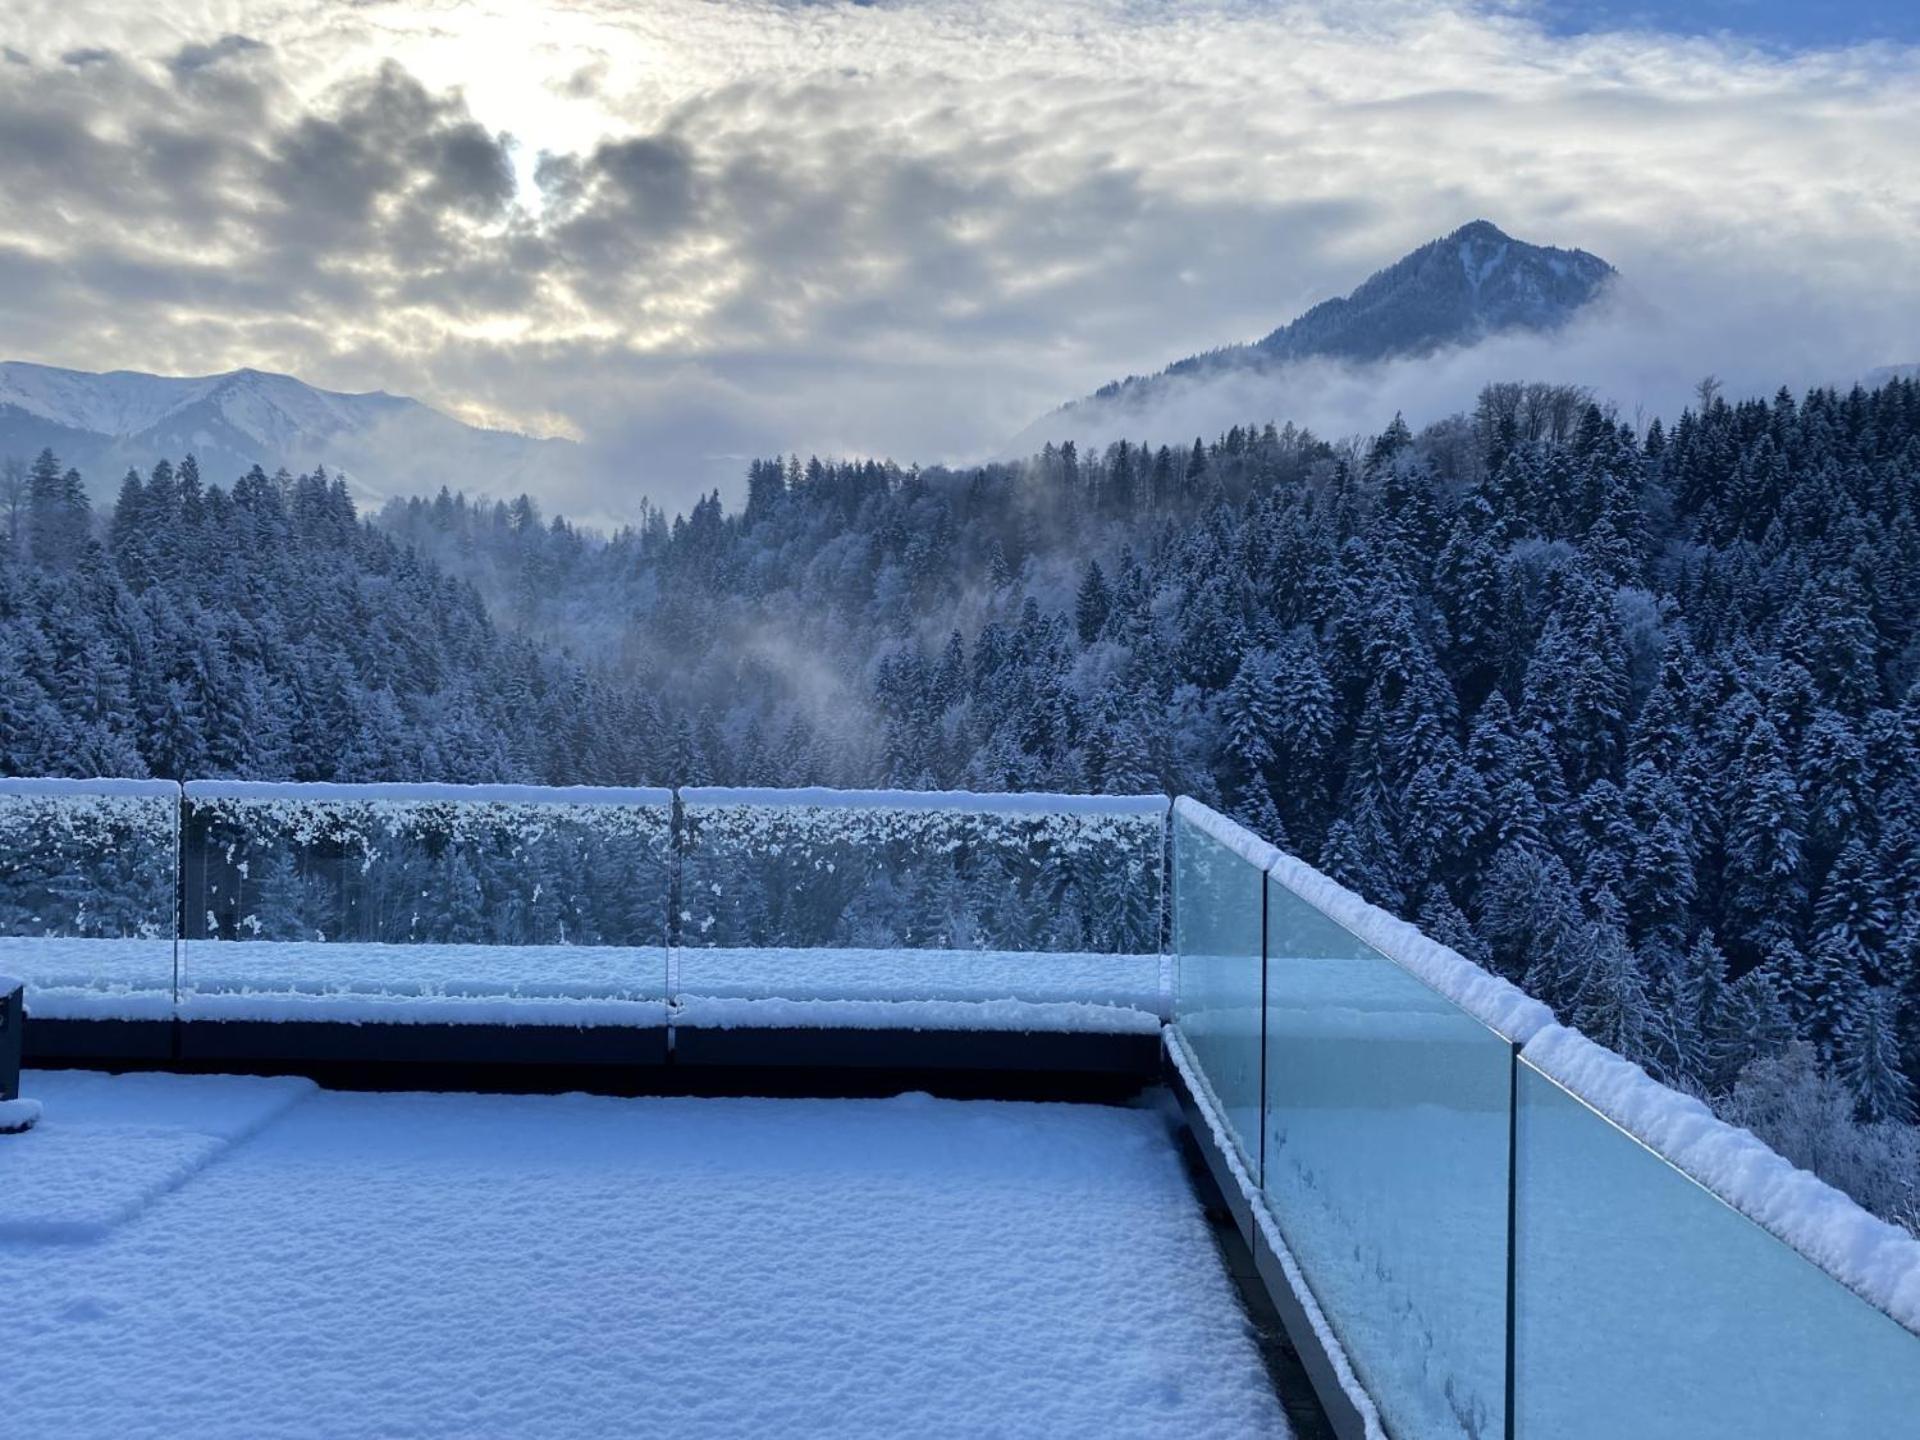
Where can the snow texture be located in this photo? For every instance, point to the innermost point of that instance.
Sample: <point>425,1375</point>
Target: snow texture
<point>1336,1353</point>
<point>1236,837</point>
<point>1494,1002</point>
<point>896,974</point>
<point>256,790</point>
<point>997,803</point>
<point>98,1002</point>
<point>593,985</point>
<point>349,1007</point>
<point>18,1115</point>
<point>698,1012</point>
<point>69,978</point>
<point>573,972</point>
<point>111,1144</point>
<point>575,1266</point>
<point>134,789</point>
<point>1875,1260</point>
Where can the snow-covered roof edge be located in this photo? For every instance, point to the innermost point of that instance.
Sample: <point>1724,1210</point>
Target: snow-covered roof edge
<point>1004,803</point>
<point>1879,1262</point>
<point>1230,833</point>
<point>105,785</point>
<point>1496,1003</point>
<point>494,794</point>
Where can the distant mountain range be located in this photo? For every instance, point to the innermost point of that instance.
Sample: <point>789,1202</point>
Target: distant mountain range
<point>1476,282</point>
<point>386,444</point>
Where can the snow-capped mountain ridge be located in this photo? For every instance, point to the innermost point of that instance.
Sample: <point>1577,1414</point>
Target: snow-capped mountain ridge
<point>1476,282</point>
<point>105,422</point>
<point>1451,292</point>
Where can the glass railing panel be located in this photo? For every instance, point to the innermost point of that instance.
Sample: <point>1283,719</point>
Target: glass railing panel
<point>1386,1170</point>
<point>1646,1306</point>
<point>88,893</point>
<point>1216,949</point>
<point>828,908</point>
<point>505,904</point>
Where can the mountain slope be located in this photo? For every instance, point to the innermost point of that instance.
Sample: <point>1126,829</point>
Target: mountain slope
<point>1455,291</point>
<point>106,423</point>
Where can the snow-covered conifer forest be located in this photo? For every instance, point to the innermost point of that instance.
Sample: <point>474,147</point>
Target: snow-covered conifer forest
<point>1627,712</point>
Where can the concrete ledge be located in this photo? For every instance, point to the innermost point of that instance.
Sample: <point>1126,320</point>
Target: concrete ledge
<point>1039,1051</point>
<point>620,1060</point>
<point>294,1042</point>
<point>67,1042</point>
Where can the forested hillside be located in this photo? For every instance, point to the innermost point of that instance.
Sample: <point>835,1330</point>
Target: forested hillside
<point>1627,714</point>
<point>262,631</point>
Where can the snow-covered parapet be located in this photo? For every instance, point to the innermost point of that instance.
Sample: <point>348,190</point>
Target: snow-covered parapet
<point>1022,803</point>
<point>1496,1003</point>
<point>321,792</point>
<point>1877,1261</point>
<point>106,786</point>
<point>1228,833</point>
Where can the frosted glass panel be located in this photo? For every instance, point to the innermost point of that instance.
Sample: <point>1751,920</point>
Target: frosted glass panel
<point>1647,1307</point>
<point>1386,1170</point>
<point>88,892</point>
<point>1011,911</point>
<point>1217,980</point>
<point>507,904</point>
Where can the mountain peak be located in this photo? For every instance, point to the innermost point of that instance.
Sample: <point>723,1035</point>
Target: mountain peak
<point>1455,291</point>
<point>1484,230</point>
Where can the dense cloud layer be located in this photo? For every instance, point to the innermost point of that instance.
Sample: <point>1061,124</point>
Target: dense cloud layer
<point>688,232</point>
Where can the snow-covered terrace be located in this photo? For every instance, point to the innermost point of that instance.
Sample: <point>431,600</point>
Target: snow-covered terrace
<point>1473,1221</point>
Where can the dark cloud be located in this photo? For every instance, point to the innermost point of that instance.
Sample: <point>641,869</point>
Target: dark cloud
<point>82,58</point>
<point>13,56</point>
<point>190,58</point>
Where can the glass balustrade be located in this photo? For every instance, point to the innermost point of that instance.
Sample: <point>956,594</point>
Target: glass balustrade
<point>88,895</point>
<point>1646,1306</point>
<point>1218,907</point>
<point>1386,1169</point>
<point>824,907</point>
<point>425,903</point>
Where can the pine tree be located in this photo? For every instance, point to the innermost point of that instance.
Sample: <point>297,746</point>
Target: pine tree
<point>1867,1057</point>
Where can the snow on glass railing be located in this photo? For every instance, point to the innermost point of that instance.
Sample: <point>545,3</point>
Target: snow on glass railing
<point>1483,1204</point>
<point>88,890</point>
<point>417,903</point>
<point>831,907</point>
<point>1647,1304</point>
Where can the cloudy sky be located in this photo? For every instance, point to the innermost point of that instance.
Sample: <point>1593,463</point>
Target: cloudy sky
<point>686,231</point>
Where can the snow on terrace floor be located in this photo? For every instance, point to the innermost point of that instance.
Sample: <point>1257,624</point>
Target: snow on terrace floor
<point>456,1265</point>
